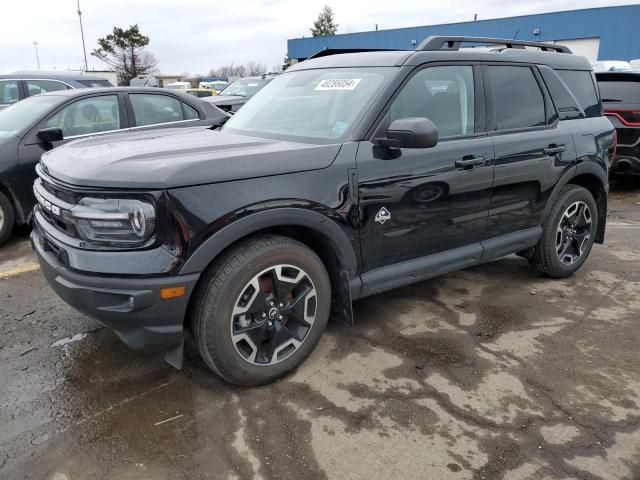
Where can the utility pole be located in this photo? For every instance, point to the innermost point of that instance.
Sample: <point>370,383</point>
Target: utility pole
<point>84,48</point>
<point>35,44</point>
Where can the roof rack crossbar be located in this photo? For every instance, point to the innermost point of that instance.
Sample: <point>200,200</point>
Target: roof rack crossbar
<point>439,42</point>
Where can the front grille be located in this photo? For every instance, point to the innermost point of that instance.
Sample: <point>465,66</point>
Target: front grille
<point>54,201</point>
<point>66,196</point>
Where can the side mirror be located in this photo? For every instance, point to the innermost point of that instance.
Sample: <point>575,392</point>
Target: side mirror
<point>410,132</point>
<point>50,135</point>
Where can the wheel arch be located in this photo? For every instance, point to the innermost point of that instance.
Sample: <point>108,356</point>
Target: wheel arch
<point>593,178</point>
<point>315,230</point>
<point>20,216</point>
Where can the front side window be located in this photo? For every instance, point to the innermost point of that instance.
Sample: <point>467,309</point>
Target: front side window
<point>444,95</point>
<point>88,116</point>
<point>316,105</point>
<point>517,99</point>
<point>153,109</point>
<point>36,87</point>
<point>8,92</point>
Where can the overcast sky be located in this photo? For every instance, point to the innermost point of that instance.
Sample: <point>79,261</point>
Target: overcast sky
<point>193,36</point>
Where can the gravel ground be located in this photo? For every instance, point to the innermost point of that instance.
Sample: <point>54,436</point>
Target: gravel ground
<point>487,373</point>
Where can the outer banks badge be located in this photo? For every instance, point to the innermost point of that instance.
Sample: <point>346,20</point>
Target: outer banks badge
<point>382,216</point>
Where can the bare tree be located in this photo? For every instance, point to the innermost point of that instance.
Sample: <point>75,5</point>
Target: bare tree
<point>232,70</point>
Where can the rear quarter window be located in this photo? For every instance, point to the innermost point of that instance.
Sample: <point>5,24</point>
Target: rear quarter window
<point>565,102</point>
<point>581,84</point>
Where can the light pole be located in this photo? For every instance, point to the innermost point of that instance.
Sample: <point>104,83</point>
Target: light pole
<point>84,48</point>
<point>35,44</point>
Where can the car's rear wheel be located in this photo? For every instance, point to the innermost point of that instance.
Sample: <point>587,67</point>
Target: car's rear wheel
<point>568,233</point>
<point>261,309</point>
<point>7,218</point>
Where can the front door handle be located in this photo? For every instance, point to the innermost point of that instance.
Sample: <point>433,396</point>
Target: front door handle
<point>467,163</point>
<point>554,149</point>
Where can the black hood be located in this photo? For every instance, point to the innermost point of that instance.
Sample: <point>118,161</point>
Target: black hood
<point>179,157</point>
<point>227,100</point>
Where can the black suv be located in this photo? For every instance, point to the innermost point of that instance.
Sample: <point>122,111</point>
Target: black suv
<point>346,176</point>
<point>621,100</point>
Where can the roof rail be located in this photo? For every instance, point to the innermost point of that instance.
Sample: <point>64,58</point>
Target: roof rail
<point>336,51</point>
<point>440,42</point>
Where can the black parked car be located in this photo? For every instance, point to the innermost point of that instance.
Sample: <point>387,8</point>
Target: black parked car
<point>40,123</point>
<point>620,93</point>
<point>346,176</point>
<point>239,92</point>
<point>20,85</point>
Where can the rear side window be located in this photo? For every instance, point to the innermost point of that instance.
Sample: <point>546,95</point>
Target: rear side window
<point>95,83</point>
<point>580,82</point>
<point>517,99</point>
<point>36,87</point>
<point>566,103</point>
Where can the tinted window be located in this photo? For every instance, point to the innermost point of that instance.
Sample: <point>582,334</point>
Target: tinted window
<point>89,115</point>
<point>444,95</point>
<point>517,99</point>
<point>190,113</point>
<point>150,109</point>
<point>565,102</point>
<point>36,87</point>
<point>8,92</point>
<point>581,85</point>
<point>623,92</point>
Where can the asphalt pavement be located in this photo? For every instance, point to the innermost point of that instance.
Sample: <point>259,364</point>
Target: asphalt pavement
<point>488,373</point>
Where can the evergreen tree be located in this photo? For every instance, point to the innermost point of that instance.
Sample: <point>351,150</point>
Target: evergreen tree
<point>324,25</point>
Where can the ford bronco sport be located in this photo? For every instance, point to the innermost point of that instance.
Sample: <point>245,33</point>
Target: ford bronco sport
<point>346,176</point>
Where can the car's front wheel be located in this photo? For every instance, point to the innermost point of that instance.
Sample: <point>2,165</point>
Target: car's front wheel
<point>568,233</point>
<point>6,218</point>
<point>261,309</point>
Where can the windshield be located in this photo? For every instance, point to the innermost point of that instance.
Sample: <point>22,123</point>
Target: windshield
<point>245,87</point>
<point>22,115</point>
<point>313,104</point>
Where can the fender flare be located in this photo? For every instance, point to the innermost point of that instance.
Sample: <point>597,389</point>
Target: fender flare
<point>277,217</point>
<point>580,169</point>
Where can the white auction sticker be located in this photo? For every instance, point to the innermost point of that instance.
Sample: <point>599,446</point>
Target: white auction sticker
<point>338,84</point>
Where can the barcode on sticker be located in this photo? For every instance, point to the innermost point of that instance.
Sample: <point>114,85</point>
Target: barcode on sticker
<point>338,84</point>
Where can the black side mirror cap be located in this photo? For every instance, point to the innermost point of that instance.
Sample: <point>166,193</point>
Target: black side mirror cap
<point>410,132</point>
<point>50,135</point>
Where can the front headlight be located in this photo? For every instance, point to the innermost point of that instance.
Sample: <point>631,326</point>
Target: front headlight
<point>114,221</point>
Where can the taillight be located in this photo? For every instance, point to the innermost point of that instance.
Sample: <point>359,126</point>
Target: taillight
<point>630,118</point>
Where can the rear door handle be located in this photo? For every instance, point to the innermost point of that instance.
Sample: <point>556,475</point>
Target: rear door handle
<point>467,163</point>
<point>554,149</point>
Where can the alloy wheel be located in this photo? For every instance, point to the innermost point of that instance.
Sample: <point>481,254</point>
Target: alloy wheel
<point>573,232</point>
<point>273,315</point>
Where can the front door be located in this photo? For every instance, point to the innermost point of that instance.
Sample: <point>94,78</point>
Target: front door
<point>418,202</point>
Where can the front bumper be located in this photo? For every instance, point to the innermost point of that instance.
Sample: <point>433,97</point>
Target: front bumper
<point>131,307</point>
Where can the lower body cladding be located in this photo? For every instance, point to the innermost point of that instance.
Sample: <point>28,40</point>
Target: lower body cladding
<point>132,307</point>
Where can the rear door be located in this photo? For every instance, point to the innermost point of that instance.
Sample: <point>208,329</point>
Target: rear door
<point>532,148</point>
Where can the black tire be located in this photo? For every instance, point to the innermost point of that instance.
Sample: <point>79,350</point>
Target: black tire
<point>546,257</point>
<point>219,294</point>
<point>7,218</point>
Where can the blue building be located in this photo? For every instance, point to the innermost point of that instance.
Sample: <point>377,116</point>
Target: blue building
<point>607,33</point>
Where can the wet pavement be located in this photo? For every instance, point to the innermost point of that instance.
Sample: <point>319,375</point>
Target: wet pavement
<point>487,373</point>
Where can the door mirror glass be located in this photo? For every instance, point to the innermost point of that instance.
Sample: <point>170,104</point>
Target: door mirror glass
<point>411,132</point>
<point>50,135</point>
